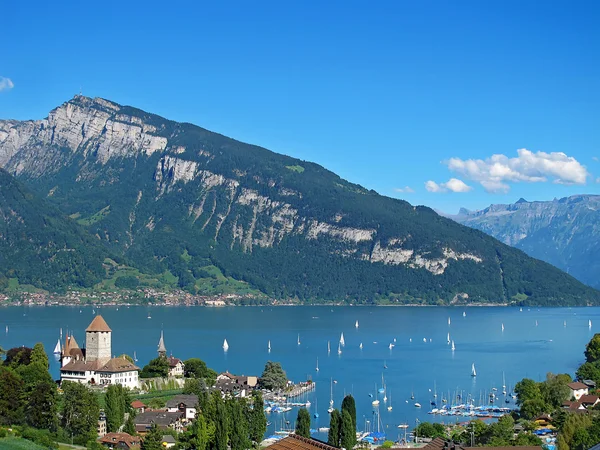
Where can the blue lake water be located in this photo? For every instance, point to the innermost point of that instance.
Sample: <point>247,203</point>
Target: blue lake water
<point>522,349</point>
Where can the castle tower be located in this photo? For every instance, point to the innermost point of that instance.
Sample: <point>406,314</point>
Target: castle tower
<point>98,341</point>
<point>162,350</point>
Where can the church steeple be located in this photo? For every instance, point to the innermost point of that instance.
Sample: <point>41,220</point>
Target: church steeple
<point>162,350</point>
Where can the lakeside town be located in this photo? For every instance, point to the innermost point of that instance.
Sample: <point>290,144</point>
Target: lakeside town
<point>168,402</point>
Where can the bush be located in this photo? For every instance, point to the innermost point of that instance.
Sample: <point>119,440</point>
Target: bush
<point>127,282</point>
<point>387,444</point>
<point>3,433</point>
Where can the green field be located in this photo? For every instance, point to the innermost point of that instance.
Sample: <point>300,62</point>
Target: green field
<point>13,443</point>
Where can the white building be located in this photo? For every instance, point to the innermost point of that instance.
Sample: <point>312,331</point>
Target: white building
<point>176,367</point>
<point>184,404</point>
<point>578,389</point>
<point>93,364</point>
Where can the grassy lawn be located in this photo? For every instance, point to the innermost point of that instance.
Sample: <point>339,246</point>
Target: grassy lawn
<point>13,443</point>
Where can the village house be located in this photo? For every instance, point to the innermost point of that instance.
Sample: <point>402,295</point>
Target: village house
<point>589,401</point>
<point>168,441</point>
<point>295,442</point>
<point>163,420</point>
<point>138,406</point>
<point>120,441</point>
<point>101,429</point>
<point>237,386</point>
<point>185,404</point>
<point>94,364</point>
<point>578,389</point>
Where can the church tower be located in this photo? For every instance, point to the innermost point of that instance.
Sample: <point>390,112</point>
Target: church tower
<point>98,341</point>
<point>162,350</point>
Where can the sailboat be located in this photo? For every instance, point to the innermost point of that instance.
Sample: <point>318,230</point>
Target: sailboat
<point>382,388</point>
<point>360,346</point>
<point>503,384</point>
<point>448,338</point>
<point>520,309</point>
<point>453,347</point>
<point>269,346</point>
<point>149,316</point>
<point>225,345</point>
<point>564,323</point>
<point>6,329</point>
<point>390,404</point>
<point>339,349</point>
<point>342,342</point>
<point>589,323</point>
<point>135,359</point>
<point>298,338</point>
<point>61,334</point>
<point>316,414</point>
<point>57,348</point>
<point>536,324</point>
<point>356,324</point>
<point>385,396</point>
<point>464,314</point>
<point>448,320</point>
<point>384,364</point>
<point>376,401</point>
<point>502,327</point>
<point>328,347</point>
<point>317,368</point>
<point>391,346</point>
<point>473,372</point>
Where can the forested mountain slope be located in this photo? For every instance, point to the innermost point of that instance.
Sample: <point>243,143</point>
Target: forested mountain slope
<point>175,196</point>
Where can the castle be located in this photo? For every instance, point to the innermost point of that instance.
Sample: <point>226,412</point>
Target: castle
<point>93,364</point>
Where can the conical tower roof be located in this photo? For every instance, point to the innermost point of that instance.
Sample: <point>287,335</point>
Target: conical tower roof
<point>98,324</point>
<point>161,344</point>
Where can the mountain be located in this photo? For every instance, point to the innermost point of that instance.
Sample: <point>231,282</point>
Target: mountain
<point>174,197</point>
<point>565,232</point>
<point>41,247</point>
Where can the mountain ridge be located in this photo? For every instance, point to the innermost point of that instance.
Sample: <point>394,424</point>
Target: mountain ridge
<point>564,232</point>
<point>158,190</point>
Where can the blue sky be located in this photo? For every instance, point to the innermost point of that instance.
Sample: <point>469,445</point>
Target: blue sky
<point>417,94</point>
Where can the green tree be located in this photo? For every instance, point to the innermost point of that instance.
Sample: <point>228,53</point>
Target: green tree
<point>258,421</point>
<point>196,368</point>
<point>129,427</point>
<point>38,355</point>
<point>589,371</point>
<point>41,406</point>
<point>153,440</point>
<point>221,439</point>
<point>156,368</point>
<point>17,356</point>
<point>501,433</point>
<point>80,412</point>
<point>527,389</point>
<point>592,349</point>
<point>11,395</point>
<point>333,437</point>
<point>239,427</point>
<point>33,374</point>
<point>430,430</point>
<point>347,432</point>
<point>198,435</point>
<point>273,377</point>
<point>555,389</point>
<point>303,423</point>
<point>527,440</point>
<point>532,408</point>
<point>114,408</point>
<point>573,423</point>
<point>348,404</point>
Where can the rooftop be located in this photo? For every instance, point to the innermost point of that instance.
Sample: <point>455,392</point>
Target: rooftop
<point>577,385</point>
<point>97,325</point>
<point>190,401</point>
<point>295,442</point>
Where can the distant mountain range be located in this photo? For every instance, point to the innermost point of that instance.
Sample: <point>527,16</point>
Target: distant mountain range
<point>565,232</point>
<point>172,203</point>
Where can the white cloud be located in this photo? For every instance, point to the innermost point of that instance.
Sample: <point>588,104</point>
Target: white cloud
<point>405,190</point>
<point>595,158</point>
<point>452,185</point>
<point>6,84</point>
<point>496,172</point>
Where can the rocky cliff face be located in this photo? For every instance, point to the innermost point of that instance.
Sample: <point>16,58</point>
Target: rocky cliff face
<point>565,232</point>
<point>156,190</point>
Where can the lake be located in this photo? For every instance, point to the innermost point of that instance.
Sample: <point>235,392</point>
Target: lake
<point>533,342</point>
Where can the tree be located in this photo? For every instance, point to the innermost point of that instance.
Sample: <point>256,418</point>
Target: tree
<point>129,427</point>
<point>239,427</point>
<point>80,412</point>
<point>38,355</point>
<point>533,408</point>
<point>592,349</point>
<point>153,440</point>
<point>114,409</point>
<point>273,377</point>
<point>156,368</point>
<point>429,430</point>
<point>11,394</point>
<point>17,356</point>
<point>589,371</point>
<point>501,433</point>
<point>198,435</point>
<point>527,389</point>
<point>258,421</point>
<point>41,406</point>
<point>221,438</point>
<point>196,368</point>
<point>33,374</point>
<point>555,389</point>
<point>333,437</point>
<point>348,404</point>
<point>347,432</point>
<point>303,423</point>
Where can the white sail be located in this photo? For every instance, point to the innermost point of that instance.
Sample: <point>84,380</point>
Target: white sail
<point>564,323</point>
<point>57,348</point>
<point>356,324</point>
<point>448,338</point>
<point>317,369</point>
<point>61,333</point>
<point>342,341</point>
<point>225,345</point>
<point>536,324</point>
<point>360,346</point>
<point>473,372</point>
<point>298,339</point>
<point>339,349</point>
<point>269,346</point>
<point>502,327</point>
<point>448,320</point>
<point>453,347</point>
<point>590,323</point>
<point>391,346</point>
<point>328,347</point>
<point>134,357</point>
<point>464,314</point>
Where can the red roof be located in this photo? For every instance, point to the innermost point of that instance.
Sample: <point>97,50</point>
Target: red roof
<point>295,442</point>
<point>98,324</point>
<point>592,399</point>
<point>137,404</point>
